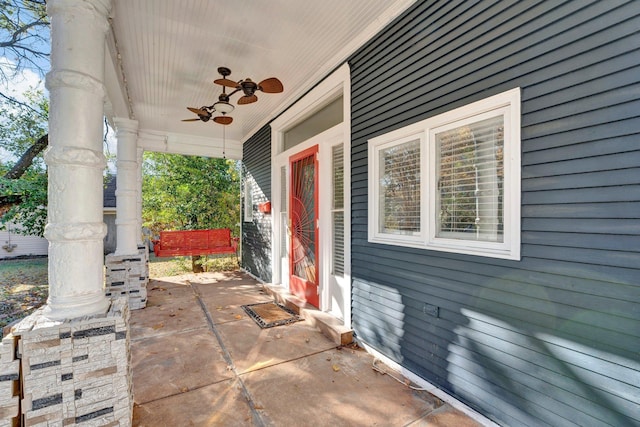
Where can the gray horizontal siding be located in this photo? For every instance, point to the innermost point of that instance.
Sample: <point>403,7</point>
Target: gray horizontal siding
<point>256,235</point>
<point>552,339</point>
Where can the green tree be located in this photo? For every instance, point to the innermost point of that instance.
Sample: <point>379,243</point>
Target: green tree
<point>23,184</point>
<point>190,193</point>
<point>24,45</point>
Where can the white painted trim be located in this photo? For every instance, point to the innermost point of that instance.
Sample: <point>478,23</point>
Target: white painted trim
<point>329,89</point>
<point>374,147</point>
<point>177,143</point>
<point>335,85</point>
<point>116,104</point>
<point>422,383</point>
<point>346,108</point>
<point>326,143</point>
<point>506,103</point>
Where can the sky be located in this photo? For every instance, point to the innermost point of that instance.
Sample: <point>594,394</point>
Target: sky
<point>28,79</point>
<point>23,81</point>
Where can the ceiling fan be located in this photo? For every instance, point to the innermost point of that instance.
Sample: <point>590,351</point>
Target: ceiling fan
<point>247,86</point>
<point>206,113</point>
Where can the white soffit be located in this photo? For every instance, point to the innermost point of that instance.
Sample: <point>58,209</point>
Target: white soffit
<point>170,51</point>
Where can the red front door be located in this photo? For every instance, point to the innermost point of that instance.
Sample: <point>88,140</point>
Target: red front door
<point>303,202</point>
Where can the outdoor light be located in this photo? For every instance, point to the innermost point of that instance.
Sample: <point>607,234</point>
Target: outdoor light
<point>223,107</point>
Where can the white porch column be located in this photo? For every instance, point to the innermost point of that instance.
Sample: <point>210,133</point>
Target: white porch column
<point>127,224</point>
<point>139,153</point>
<point>76,230</point>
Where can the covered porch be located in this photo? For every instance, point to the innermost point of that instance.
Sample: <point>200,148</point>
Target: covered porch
<point>140,65</point>
<point>199,359</point>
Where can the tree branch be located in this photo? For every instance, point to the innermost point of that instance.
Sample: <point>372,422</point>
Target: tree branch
<point>24,105</point>
<point>27,158</point>
<point>21,30</point>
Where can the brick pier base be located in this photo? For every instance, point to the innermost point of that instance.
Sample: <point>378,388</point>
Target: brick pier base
<point>128,275</point>
<point>67,373</point>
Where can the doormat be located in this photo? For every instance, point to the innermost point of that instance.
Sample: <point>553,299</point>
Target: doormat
<point>270,314</point>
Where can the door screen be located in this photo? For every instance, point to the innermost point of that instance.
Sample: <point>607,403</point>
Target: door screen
<point>303,208</point>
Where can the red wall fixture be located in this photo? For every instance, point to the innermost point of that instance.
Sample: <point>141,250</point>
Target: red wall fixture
<point>265,207</point>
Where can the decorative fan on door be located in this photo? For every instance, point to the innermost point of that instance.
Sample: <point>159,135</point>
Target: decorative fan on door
<point>224,107</point>
<point>302,224</point>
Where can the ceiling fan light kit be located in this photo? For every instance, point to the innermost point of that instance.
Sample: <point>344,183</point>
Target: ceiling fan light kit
<point>223,107</point>
<point>247,86</point>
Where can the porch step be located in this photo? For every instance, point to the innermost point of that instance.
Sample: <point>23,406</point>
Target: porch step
<point>331,327</point>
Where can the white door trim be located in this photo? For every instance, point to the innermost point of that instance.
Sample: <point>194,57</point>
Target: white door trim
<point>333,86</point>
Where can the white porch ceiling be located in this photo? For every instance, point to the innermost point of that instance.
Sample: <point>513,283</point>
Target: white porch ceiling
<point>168,53</point>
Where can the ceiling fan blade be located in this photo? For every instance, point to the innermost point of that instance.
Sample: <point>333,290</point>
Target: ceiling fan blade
<point>198,111</point>
<point>190,120</point>
<point>247,99</point>
<point>226,82</point>
<point>271,85</point>
<point>223,120</point>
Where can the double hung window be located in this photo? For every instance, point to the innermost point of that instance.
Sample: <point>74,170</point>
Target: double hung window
<point>451,182</point>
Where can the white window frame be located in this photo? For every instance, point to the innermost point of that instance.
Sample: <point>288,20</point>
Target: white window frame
<point>506,103</point>
<point>377,145</point>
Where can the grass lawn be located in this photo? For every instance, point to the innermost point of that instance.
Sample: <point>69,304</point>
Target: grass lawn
<point>24,283</point>
<point>23,288</point>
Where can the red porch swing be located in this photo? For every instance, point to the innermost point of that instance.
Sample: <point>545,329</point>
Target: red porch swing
<point>195,242</point>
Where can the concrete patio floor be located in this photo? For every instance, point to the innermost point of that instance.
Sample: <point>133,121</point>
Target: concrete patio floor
<point>199,360</point>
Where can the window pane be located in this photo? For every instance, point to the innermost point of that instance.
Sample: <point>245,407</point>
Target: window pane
<point>338,244</point>
<point>248,201</point>
<point>400,189</point>
<point>318,122</point>
<point>338,176</point>
<point>470,181</point>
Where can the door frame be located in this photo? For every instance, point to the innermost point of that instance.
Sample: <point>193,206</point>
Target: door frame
<point>336,85</point>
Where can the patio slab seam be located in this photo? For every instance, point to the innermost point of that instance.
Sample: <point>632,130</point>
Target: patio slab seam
<point>165,334</point>
<point>180,393</point>
<point>257,417</point>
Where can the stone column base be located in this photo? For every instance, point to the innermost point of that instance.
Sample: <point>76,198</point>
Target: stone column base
<point>144,250</point>
<point>9,382</point>
<point>72,372</point>
<point>128,275</point>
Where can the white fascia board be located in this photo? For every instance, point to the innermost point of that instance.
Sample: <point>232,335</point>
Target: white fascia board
<point>116,103</point>
<point>191,145</point>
